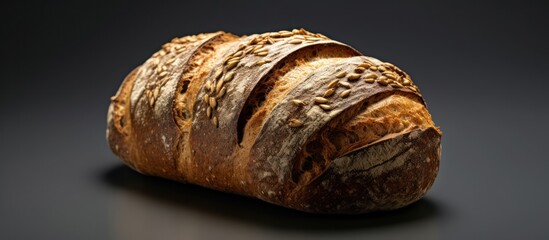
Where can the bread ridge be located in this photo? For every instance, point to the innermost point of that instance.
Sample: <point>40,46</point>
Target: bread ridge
<point>193,135</point>
<point>203,66</point>
<point>222,173</point>
<point>278,143</point>
<point>150,102</point>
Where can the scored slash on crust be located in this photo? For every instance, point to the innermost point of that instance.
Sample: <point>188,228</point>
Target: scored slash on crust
<point>367,70</point>
<point>384,74</point>
<point>258,47</point>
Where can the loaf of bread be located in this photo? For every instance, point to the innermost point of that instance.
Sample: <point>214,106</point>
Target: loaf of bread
<point>290,117</point>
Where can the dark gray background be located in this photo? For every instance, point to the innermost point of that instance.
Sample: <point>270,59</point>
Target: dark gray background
<point>481,67</point>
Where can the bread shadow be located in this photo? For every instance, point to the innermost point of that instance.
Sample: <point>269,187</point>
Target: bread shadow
<point>254,211</point>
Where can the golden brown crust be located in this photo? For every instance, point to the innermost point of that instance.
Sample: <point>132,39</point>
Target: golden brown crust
<point>152,104</point>
<point>385,114</point>
<point>290,117</point>
<point>119,120</point>
<point>190,83</point>
<point>392,173</point>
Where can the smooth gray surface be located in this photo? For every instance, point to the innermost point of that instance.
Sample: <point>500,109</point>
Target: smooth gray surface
<point>481,67</point>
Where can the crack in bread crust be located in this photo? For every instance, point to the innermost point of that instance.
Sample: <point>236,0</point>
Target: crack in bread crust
<point>357,128</point>
<point>278,144</point>
<point>247,74</point>
<point>281,81</point>
<point>152,104</point>
<point>350,186</point>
